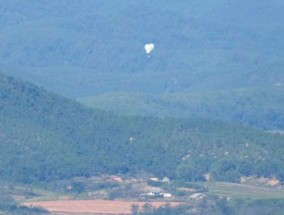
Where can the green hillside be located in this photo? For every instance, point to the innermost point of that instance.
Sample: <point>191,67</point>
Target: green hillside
<point>258,107</point>
<point>45,136</point>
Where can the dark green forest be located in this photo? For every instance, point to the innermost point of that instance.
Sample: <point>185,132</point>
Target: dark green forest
<point>44,137</point>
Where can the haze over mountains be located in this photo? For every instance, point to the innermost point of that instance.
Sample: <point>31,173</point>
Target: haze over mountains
<point>213,59</point>
<point>85,48</point>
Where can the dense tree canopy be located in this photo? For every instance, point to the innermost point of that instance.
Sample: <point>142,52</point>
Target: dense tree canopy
<point>44,136</point>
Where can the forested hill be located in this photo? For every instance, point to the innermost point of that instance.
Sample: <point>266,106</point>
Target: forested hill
<point>257,107</point>
<point>44,137</point>
<point>80,49</point>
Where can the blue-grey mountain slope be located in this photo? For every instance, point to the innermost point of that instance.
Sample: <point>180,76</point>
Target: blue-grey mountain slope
<point>84,48</point>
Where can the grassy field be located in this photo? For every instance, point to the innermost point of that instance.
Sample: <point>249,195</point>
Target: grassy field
<point>244,191</point>
<point>27,193</point>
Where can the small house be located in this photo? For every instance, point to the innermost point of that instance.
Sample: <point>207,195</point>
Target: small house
<point>167,195</point>
<point>197,196</point>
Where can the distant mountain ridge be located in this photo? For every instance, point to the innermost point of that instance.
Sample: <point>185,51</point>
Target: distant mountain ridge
<point>258,107</point>
<point>80,49</point>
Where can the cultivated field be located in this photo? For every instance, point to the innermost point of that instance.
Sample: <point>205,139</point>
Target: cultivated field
<point>244,191</point>
<point>93,206</point>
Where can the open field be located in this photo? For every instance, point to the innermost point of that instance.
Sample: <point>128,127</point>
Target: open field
<point>244,191</point>
<point>66,202</point>
<point>93,206</point>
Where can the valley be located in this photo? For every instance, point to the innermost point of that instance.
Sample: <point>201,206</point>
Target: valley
<point>141,107</point>
<point>116,195</point>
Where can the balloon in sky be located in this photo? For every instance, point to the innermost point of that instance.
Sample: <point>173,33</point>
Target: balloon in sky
<point>149,47</point>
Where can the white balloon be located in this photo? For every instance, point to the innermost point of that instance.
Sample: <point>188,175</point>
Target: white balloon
<point>149,47</point>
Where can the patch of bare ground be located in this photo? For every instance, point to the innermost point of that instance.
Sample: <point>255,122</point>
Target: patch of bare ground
<point>90,207</point>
